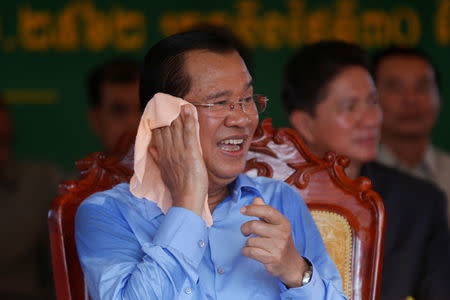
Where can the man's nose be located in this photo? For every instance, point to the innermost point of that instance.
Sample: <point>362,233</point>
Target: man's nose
<point>409,97</point>
<point>372,116</point>
<point>236,116</point>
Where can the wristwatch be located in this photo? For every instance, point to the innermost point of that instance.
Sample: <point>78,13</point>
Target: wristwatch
<point>308,274</point>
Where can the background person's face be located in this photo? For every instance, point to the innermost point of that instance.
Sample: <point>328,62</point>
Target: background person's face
<point>117,113</point>
<point>408,96</point>
<point>219,77</point>
<point>348,120</point>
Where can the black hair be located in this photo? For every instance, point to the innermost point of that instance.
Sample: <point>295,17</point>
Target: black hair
<point>117,70</point>
<point>392,51</point>
<point>163,69</point>
<point>309,71</point>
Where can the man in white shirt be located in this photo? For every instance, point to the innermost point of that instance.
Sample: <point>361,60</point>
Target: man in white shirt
<point>409,91</point>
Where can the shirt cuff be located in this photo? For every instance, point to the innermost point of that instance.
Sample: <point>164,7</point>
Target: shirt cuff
<point>307,291</point>
<point>184,232</point>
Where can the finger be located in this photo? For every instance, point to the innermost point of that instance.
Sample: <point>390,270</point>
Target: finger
<point>176,129</point>
<point>183,113</point>
<point>166,136</point>
<point>190,130</point>
<point>258,201</point>
<point>157,140</point>
<point>257,254</point>
<point>153,153</point>
<point>260,228</point>
<point>261,242</point>
<point>265,212</point>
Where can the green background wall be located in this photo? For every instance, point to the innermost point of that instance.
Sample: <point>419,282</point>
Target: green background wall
<point>48,47</point>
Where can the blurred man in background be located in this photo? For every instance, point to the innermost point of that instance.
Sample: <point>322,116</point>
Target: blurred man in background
<point>26,191</point>
<point>113,90</point>
<point>408,86</point>
<point>332,102</point>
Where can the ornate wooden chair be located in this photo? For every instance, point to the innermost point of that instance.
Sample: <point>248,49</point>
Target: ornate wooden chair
<point>350,216</point>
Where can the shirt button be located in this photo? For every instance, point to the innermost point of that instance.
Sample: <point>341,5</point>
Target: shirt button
<point>201,244</point>
<point>220,270</point>
<point>188,291</point>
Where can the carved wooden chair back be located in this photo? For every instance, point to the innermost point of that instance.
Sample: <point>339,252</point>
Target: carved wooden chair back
<point>349,215</point>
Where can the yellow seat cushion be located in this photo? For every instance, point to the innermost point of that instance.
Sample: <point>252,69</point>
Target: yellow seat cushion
<point>337,236</point>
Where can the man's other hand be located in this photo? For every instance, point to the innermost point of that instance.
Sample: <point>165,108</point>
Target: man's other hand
<point>272,244</point>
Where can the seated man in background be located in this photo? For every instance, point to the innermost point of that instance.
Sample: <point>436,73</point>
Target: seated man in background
<point>113,90</point>
<point>333,103</point>
<point>26,190</point>
<point>409,91</point>
<point>262,244</point>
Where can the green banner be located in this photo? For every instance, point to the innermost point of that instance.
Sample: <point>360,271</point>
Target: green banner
<point>48,47</point>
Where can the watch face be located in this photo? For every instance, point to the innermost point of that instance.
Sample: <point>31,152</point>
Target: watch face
<point>306,277</point>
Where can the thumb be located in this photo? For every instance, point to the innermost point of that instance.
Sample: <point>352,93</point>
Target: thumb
<point>258,201</point>
<point>153,153</point>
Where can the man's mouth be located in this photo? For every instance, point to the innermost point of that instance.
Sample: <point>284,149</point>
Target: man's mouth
<point>232,144</point>
<point>368,140</point>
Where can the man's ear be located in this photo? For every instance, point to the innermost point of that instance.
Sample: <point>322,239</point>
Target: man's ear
<point>303,123</point>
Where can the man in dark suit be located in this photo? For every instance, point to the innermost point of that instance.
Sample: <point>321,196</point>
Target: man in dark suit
<point>333,103</point>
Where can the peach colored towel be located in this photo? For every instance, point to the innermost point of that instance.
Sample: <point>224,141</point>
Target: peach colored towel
<point>146,182</point>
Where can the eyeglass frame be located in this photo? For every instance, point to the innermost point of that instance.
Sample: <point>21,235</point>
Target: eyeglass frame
<point>233,104</point>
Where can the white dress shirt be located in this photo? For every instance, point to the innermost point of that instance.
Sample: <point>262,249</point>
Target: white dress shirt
<point>434,167</point>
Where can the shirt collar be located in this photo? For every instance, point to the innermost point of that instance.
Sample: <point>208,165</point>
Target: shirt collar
<point>430,159</point>
<point>426,167</point>
<point>244,184</point>
<point>386,156</point>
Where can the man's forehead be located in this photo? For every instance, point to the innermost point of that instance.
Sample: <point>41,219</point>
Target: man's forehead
<point>228,92</point>
<point>204,58</point>
<point>120,90</point>
<point>217,74</point>
<point>405,67</point>
<point>404,61</point>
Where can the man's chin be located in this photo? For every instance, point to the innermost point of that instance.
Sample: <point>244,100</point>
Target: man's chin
<point>226,175</point>
<point>410,131</point>
<point>363,159</point>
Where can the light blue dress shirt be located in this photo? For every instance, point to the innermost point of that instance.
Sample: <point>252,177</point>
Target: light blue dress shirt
<point>129,249</point>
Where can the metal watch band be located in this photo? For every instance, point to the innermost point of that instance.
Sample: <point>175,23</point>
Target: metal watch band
<point>307,277</point>
<point>308,274</point>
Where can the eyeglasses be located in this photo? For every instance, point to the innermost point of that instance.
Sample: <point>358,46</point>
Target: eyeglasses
<point>250,105</point>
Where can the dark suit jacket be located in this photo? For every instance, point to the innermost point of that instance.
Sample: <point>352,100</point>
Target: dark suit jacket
<point>416,248</point>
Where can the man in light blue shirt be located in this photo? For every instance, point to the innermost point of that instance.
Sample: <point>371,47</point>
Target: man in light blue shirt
<point>263,243</point>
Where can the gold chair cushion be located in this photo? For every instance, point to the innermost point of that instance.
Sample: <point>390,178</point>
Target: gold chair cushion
<point>337,236</point>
